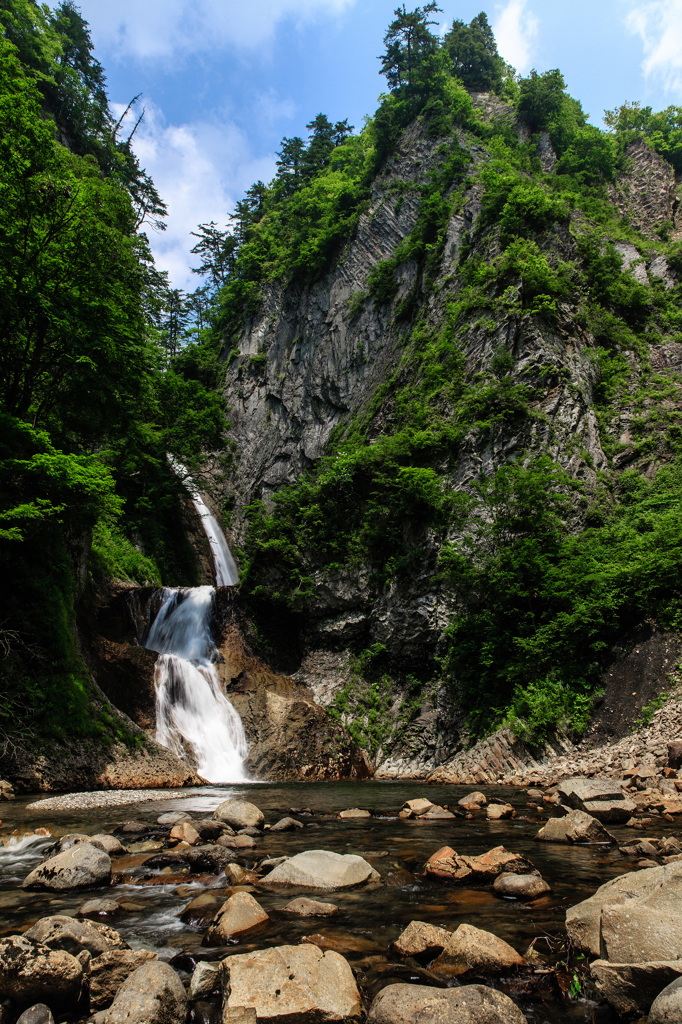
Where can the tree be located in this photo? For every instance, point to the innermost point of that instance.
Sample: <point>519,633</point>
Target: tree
<point>474,55</point>
<point>541,98</point>
<point>175,322</point>
<point>217,250</point>
<point>662,130</point>
<point>410,48</point>
<point>290,164</point>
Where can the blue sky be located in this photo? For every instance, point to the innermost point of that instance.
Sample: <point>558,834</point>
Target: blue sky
<point>224,81</point>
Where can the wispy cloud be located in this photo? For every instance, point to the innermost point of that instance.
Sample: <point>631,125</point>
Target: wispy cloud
<point>152,29</point>
<point>658,23</point>
<point>516,34</point>
<point>200,169</point>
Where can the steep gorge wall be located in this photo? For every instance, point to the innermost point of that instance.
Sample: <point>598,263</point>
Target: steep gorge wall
<point>315,357</point>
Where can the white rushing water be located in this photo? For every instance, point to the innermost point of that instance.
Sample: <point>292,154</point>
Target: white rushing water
<point>194,718</point>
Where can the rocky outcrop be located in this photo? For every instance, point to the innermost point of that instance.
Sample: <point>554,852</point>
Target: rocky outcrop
<point>322,869</point>
<point>645,191</point>
<point>82,867</point>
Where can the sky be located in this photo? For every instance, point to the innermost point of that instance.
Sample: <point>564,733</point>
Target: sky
<point>223,81</point>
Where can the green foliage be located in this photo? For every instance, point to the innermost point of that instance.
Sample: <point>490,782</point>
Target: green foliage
<point>114,556</point>
<point>473,53</point>
<point>662,130</point>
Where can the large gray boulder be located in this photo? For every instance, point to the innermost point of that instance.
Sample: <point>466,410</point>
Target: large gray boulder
<point>238,916</point>
<point>291,983</point>
<point>153,994</point>
<point>667,1006</point>
<point>110,970</point>
<point>81,867</point>
<point>60,932</point>
<point>576,827</point>
<point>632,988</point>
<point>239,814</point>
<point>322,869</point>
<point>604,799</point>
<point>634,918</point>
<point>33,973</point>
<point>419,1004</point>
<point>520,887</point>
<point>473,949</point>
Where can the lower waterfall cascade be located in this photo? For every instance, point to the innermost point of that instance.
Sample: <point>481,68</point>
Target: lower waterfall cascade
<point>194,718</point>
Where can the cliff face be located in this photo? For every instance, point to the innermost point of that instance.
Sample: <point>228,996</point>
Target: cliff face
<point>317,358</point>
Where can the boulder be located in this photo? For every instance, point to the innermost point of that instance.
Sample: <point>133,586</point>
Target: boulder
<point>110,844</point>
<point>604,799</point>
<point>238,875</point>
<point>421,940</point>
<point>354,812</point>
<point>576,827</point>
<point>472,801</point>
<point>667,1006</point>
<point>81,867</point>
<point>206,980</point>
<point>238,916</point>
<point>173,818</point>
<point>290,983</point>
<point>419,806</point>
<point>632,988</point>
<point>110,970</point>
<point>99,908</point>
<point>210,830</point>
<point>153,994</point>
<point>634,918</point>
<point>435,813</point>
<point>239,813</point>
<point>68,841</point>
<point>453,867</point>
<point>420,1004</point>
<point>499,812</point>
<point>237,842</point>
<point>473,949</point>
<point>6,790</point>
<point>520,887</point>
<point>674,754</point>
<point>38,1014</point>
<point>31,973</point>
<point>289,824</point>
<point>322,869</point>
<point>303,907</point>
<point>201,910</point>
<point>67,933</point>
<point>185,832</point>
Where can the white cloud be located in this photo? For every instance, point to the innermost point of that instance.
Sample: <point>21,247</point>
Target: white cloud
<point>153,29</point>
<point>516,33</point>
<point>658,23</point>
<point>200,169</point>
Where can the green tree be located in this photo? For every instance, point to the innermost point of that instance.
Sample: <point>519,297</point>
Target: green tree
<point>473,53</point>
<point>411,49</point>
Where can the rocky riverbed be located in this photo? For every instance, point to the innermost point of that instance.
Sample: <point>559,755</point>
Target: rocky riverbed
<point>341,902</point>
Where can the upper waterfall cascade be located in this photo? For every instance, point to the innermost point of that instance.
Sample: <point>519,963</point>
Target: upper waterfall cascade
<point>193,716</point>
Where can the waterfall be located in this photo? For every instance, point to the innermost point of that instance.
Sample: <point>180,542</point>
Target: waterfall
<point>194,719</point>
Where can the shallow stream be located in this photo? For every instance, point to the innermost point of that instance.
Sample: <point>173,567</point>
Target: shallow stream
<point>369,918</point>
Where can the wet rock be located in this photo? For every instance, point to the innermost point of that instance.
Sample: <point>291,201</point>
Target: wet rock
<point>634,918</point>
<point>110,970</point>
<point>473,949</point>
<point>31,973</point>
<point>632,988</point>
<point>520,887</point>
<point>6,790</point>
<point>99,908</point>
<point>272,862</point>
<point>354,812</point>
<point>251,830</point>
<point>201,910</point>
<point>110,844</point>
<point>323,869</point>
<point>499,812</point>
<point>184,832</point>
<point>420,806</point>
<point>173,818</point>
<point>613,812</point>
<point>421,1004</point>
<point>576,827</point>
<point>80,867</point>
<point>287,825</point>
<point>134,828</point>
<point>68,841</point>
<point>153,994</point>
<point>237,842</point>
<point>421,940</point>
<point>472,801</point>
<point>210,830</point>
<point>303,907</point>
<point>146,846</point>
<point>340,943</point>
<point>238,916</point>
<point>291,983</point>
<point>667,1006</point>
<point>205,1012</point>
<point>236,874</point>
<point>435,813</point>
<point>38,1014</point>
<point>239,813</point>
<point>674,754</point>
<point>453,867</point>
<point>60,932</point>
<point>643,848</point>
<point>205,980</point>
